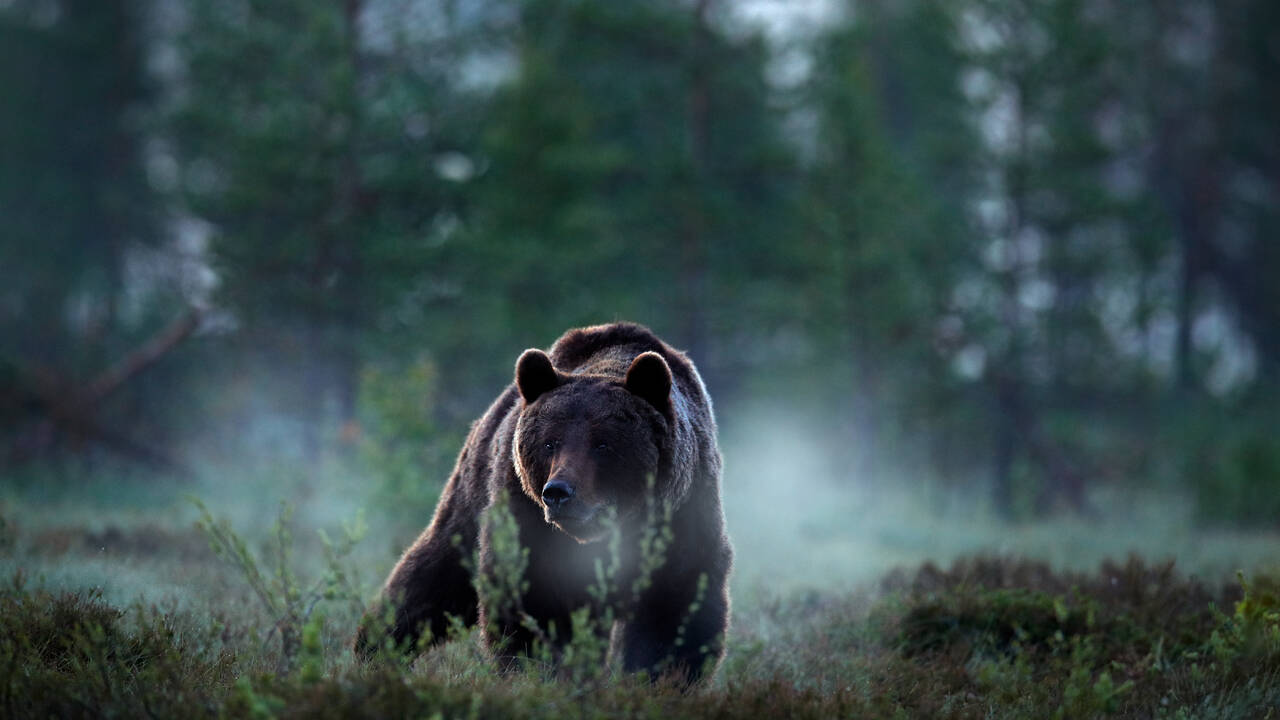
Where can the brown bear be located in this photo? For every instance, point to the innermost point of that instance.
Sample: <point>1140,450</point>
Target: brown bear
<point>603,455</point>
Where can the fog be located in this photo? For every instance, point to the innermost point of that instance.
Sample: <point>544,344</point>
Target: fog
<point>799,523</point>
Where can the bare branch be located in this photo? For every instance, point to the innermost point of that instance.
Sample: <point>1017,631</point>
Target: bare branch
<point>141,358</point>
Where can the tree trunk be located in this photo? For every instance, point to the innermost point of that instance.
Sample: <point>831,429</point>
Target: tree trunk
<point>693,248</point>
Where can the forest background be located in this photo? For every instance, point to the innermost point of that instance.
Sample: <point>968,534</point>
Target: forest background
<point>1008,254</point>
<point>960,276</point>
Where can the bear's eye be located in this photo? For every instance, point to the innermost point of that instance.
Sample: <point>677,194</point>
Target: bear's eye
<point>550,446</point>
<point>602,447</point>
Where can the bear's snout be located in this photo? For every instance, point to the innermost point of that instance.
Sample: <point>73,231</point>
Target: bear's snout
<point>556,493</point>
<point>568,509</point>
<point>562,503</point>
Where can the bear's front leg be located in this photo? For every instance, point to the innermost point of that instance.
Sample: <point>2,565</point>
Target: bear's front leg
<point>507,642</point>
<point>679,633</point>
<point>534,623</point>
<point>429,585</point>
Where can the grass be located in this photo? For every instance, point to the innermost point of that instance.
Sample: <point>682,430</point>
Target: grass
<point>113,602</point>
<point>986,638</point>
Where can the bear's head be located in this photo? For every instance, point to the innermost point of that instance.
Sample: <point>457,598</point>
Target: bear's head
<point>588,447</point>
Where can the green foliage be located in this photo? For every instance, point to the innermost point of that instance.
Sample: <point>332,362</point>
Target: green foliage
<point>1256,619</point>
<point>73,187</point>
<point>578,653</point>
<point>290,603</point>
<point>662,199</point>
<point>994,621</point>
<point>655,539</point>
<point>581,653</point>
<point>400,440</point>
<point>501,589</point>
<point>313,155</point>
<point>1237,479</point>
<point>971,237</point>
<point>81,213</point>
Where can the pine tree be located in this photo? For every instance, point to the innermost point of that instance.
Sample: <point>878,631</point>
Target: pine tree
<point>322,142</point>
<point>634,171</point>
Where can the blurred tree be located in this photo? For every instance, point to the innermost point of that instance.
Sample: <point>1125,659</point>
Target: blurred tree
<point>1247,254</point>
<point>888,190</point>
<point>1203,77</point>
<point>1207,71</point>
<point>635,171</point>
<point>77,209</point>
<point>1056,235</point>
<point>326,143</point>
<point>999,230</point>
<point>72,184</point>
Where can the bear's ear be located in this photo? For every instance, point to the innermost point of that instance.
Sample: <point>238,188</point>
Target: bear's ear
<point>535,375</point>
<point>650,378</point>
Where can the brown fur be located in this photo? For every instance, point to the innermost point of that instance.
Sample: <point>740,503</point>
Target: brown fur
<point>577,438</point>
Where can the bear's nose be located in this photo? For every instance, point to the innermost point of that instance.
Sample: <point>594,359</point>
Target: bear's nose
<point>556,493</point>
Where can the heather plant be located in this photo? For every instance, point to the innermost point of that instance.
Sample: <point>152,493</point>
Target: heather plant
<point>70,654</point>
<point>291,603</point>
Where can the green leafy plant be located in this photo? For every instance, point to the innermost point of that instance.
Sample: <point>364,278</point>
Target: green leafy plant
<point>398,439</point>
<point>291,604</point>
<point>1257,614</point>
<point>581,653</point>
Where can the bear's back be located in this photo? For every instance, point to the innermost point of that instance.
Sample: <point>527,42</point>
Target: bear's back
<point>609,350</point>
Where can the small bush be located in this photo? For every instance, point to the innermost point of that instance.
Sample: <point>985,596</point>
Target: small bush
<point>291,603</point>
<point>399,441</point>
<point>71,655</point>
<point>1238,482</point>
<point>1128,639</point>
